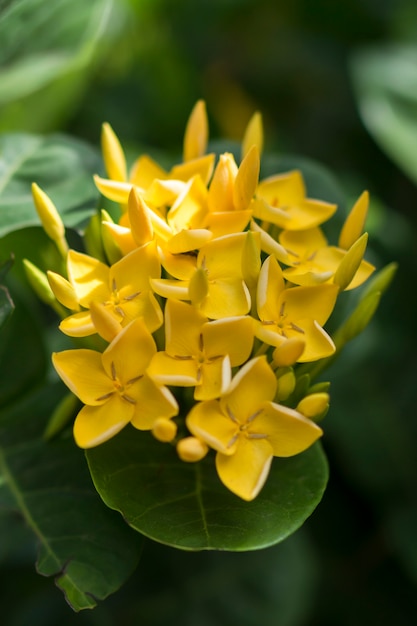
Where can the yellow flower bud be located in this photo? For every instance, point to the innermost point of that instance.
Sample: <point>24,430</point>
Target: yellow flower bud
<point>198,286</point>
<point>251,259</point>
<point>139,218</point>
<point>288,352</point>
<point>314,405</point>
<point>355,222</point>
<point>196,132</point>
<point>286,384</point>
<point>50,218</point>
<point>113,155</point>
<point>253,134</point>
<point>164,429</point>
<point>63,290</point>
<point>350,263</point>
<point>246,180</point>
<point>192,449</point>
<point>105,324</point>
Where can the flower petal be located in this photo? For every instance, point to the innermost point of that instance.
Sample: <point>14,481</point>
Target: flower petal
<point>183,327</point>
<point>130,353</point>
<point>246,471</point>
<point>226,298</point>
<point>78,325</point>
<point>167,370</point>
<point>153,401</point>
<point>288,431</point>
<point>208,422</point>
<point>233,336</point>
<point>96,424</point>
<point>82,371</point>
<point>215,378</point>
<point>254,384</point>
<point>89,277</point>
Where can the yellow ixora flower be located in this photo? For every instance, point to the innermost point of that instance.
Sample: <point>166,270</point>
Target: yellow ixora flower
<point>312,261</point>
<point>282,200</point>
<point>201,353</point>
<point>122,288</point>
<point>215,284</point>
<point>247,429</point>
<point>115,386</point>
<point>295,312</point>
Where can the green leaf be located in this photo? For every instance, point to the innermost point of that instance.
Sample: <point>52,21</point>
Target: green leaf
<point>186,506</point>
<point>22,353</point>
<point>41,40</point>
<point>385,81</point>
<point>89,549</point>
<point>60,165</point>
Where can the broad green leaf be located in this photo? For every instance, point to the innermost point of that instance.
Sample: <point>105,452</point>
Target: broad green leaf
<point>60,165</point>
<point>41,41</point>
<point>385,81</point>
<point>186,506</point>
<point>22,353</point>
<point>88,548</point>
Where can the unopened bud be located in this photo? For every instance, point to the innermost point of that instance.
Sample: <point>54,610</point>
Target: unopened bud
<point>164,429</point>
<point>253,134</point>
<point>113,155</point>
<point>63,291</point>
<point>198,286</point>
<point>50,218</point>
<point>192,449</point>
<point>196,132</point>
<point>105,324</point>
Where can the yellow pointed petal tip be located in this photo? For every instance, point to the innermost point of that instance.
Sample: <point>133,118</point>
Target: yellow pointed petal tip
<point>192,449</point>
<point>254,135</point>
<point>104,322</point>
<point>50,219</point>
<point>164,429</point>
<point>314,405</point>
<point>350,263</point>
<point>355,222</point>
<point>113,155</point>
<point>198,286</point>
<point>63,290</point>
<point>196,132</point>
<point>139,218</point>
<point>246,179</point>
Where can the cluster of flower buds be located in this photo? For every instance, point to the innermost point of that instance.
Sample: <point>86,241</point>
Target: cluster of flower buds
<point>205,296</point>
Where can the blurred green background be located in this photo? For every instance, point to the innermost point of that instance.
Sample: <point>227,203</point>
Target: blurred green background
<point>337,86</point>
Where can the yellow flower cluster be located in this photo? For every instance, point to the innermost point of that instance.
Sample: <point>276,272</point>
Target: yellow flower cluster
<point>212,281</point>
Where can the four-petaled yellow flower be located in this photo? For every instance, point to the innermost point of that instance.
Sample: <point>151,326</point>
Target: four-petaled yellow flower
<point>201,353</point>
<point>122,288</point>
<point>115,386</point>
<point>247,429</point>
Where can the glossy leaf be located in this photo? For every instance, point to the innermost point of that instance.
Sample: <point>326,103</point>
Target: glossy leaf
<point>61,166</point>
<point>55,37</point>
<point>385,81</point>
<point>22,354</point>
<point>186,505</point>
<point>88,548</point>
